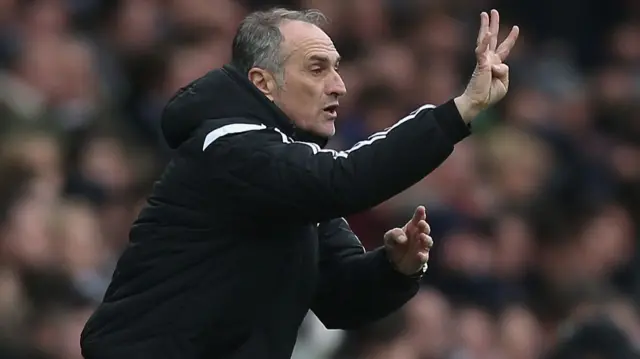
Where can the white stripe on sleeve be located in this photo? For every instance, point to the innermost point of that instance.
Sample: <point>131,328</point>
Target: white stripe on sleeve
<point>244,127</point>
<point>383,134</point>
<point>228,130</point>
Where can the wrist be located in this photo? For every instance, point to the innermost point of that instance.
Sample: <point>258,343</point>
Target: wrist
<point>467,108</point>
<point>413,273</point>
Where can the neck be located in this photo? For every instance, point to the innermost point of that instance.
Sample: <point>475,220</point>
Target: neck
<point>306,136</point>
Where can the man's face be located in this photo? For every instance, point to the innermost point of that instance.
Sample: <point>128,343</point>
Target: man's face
<point>311,84</point>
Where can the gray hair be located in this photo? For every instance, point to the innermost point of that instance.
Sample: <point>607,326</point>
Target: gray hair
<point>258,39</point>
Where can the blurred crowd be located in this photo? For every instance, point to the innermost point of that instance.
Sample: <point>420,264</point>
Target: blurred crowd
<point>535,217</point>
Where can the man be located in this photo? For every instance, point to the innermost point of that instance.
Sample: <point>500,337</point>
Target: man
<point>243,233</point>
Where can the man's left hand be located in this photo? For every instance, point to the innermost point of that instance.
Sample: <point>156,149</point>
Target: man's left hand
<point>408,247</point>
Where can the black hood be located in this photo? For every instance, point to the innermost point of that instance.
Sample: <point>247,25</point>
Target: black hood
<point>222,94</point>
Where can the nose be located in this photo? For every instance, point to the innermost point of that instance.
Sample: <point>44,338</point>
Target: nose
<point>336,86</point>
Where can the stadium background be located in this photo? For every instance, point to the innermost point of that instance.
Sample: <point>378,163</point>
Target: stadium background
<point>535,217</point>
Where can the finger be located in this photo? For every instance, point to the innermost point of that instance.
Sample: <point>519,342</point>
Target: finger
<point>505,47</point>
<point>426,242</point>
<point>494,28</point>
<point>423,257</point>
<point>484,28</point>
<point>420,214</point>
<point>395,237</point>
<point>423,227</point>
<point>500,71</point>
<point>481,50</point>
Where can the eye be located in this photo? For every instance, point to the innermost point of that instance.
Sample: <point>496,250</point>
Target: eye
<point>316,70</point>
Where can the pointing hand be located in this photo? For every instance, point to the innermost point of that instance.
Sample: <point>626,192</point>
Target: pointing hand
<point>408,247</point>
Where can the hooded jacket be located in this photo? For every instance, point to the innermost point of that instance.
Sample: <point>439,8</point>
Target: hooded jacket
<point>243,232</point>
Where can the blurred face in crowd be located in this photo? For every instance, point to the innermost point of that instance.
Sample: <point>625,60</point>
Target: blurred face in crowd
<point>430,316</point>
<point>309,86</point>
<point>520,334</point>
<point>476,331</point>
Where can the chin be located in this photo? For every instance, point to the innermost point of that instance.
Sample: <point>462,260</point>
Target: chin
<point>327,130</point>
<point>323,128</point>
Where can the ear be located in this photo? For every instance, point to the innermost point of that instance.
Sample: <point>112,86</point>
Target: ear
<point>263,81</point>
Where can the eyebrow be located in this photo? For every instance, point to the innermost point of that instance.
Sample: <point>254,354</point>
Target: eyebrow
<point>320,58</point>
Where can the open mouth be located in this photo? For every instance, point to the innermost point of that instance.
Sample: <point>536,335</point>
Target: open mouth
<point>332,110</point>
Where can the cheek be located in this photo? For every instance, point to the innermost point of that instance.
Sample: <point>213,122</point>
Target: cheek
<point>308,93</point>
<point>302,98</point>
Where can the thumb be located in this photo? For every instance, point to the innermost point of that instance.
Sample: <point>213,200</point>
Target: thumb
<point>419,215</point>
<point>500,70</point>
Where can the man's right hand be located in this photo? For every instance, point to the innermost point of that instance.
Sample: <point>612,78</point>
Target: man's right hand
<point>490,80</point>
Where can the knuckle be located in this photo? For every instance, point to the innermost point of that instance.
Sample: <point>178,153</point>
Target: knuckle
<point>394,234</point>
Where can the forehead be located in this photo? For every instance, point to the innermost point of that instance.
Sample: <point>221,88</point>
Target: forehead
<point>307,41</point>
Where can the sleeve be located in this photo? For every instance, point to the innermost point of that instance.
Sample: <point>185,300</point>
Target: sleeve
<point>356,288</point>
<point>266,174</point>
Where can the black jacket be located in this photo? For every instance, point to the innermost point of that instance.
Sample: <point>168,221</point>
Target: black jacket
<point>243,233</point>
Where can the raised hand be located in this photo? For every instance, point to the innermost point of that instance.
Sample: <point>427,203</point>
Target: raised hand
<point>408,247</point>
<point>490,80</point>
